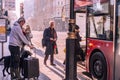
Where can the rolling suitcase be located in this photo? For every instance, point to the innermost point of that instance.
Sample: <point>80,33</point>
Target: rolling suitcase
<point>31,68</point>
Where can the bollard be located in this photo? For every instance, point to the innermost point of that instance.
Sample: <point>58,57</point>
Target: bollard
<point>71,63</point>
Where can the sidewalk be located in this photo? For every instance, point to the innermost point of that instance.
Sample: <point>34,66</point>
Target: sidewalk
<point>54,72</point>
<point>47,72</point>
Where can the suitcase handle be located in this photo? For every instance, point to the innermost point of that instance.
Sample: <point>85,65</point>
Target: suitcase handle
<point>34,50</point>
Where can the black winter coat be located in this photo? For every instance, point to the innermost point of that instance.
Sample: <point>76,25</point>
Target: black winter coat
<point>77,43</point>
<point>49,33</point>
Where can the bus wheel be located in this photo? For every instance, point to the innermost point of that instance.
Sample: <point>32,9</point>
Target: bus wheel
<point>98,67</point>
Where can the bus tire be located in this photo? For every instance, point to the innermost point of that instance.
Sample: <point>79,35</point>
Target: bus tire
<point>98,66</point>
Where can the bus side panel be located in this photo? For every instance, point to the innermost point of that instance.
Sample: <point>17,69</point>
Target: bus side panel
<point>106,47</point>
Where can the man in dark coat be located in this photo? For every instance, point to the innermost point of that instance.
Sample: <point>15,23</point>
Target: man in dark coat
<point>50,37</point>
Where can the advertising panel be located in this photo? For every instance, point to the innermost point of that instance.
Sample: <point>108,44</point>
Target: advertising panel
<point>3,36</point>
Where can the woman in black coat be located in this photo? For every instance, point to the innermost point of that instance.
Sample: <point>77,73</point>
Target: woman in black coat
<point>78,48</point>
<point>50,37</point>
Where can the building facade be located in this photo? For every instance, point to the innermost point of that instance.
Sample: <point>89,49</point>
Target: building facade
<point>43,11</point>
<point>11,10</point>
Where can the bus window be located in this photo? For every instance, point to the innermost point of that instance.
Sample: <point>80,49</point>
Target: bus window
<point>99,21</point>
<point>100,27</point>
<point>100,8</point>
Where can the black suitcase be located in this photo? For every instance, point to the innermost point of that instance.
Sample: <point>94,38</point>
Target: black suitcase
<point>31,67</point>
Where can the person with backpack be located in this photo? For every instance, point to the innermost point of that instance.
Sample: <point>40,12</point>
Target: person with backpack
<point>49,41</point>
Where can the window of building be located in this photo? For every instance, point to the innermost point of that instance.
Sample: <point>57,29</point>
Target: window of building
<point>58,2</point>
<point>61,2</point>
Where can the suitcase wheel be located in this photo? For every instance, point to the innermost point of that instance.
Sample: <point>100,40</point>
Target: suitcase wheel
<point>35,78</point>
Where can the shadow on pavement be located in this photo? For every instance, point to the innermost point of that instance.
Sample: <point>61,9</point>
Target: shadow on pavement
<point>87,74</point>
<point>56,72</point>
<point>2,62</point>
<point>44,77</point>
<point>5,78</point>
<point>41,53</point>
<point>59,70</point>
<point>59,63</point>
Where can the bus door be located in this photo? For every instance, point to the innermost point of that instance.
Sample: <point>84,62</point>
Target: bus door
<point>81,22</point>
<point>117,42</point>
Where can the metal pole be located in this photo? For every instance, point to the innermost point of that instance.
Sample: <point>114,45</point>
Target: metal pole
<point>2,49</point>
<point>1,8</point>
<point>1,15</point>
<point>71,69</point>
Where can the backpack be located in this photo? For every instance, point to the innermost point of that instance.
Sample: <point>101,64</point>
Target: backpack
<point>43,42</point>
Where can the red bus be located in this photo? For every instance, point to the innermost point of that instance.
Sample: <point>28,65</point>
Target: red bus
<point>99,22</point>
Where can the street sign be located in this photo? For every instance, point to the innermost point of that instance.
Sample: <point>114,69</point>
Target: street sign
<point>3,36</point>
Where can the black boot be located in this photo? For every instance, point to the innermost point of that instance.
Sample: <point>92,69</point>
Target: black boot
<point>45,59</point>
<point>12,71</point>
<point>17,74</point>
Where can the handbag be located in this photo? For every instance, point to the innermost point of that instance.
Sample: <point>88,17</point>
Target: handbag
<point>55,49</point>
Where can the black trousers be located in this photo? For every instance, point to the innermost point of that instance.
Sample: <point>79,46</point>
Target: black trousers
<point>15,56</point>
<point>51,58</point>
<point>79,51</point>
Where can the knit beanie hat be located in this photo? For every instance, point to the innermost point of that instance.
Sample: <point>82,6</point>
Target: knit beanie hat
<point>21,19</point>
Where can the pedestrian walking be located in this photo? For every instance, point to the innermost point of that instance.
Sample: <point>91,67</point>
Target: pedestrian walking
<point>50,38</point>
<point>78,49</point>
<point>16,40</point>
